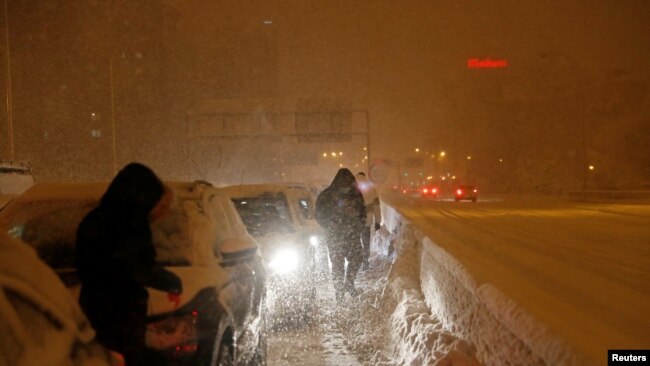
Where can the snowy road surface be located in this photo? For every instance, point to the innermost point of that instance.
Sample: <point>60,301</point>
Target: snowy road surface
<point>337,335</point>
<point>581,269</point>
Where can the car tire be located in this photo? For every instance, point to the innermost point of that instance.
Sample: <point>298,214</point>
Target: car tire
<point>259,357</point>
<point>225,355</point>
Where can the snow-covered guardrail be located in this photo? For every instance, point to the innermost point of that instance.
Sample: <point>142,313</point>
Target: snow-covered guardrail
<point>609,196</point>
<point>441,316</point>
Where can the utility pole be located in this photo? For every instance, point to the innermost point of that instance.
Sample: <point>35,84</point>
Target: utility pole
<point>10,122</point>
<point>110,70</point>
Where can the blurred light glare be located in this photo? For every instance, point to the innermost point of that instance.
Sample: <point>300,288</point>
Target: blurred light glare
<point>469,157</point>
<point>333,154</point>
<point>417,149</point>
<point>284,262</point>
<point>591,167</point>
<point>442,154</point>
<point>313,240</point>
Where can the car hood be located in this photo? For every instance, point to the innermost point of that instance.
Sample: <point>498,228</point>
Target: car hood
<point>194,280</point>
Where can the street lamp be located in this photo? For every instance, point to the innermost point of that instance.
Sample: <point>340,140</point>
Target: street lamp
<point>113,139</point>
<point>10,122</point>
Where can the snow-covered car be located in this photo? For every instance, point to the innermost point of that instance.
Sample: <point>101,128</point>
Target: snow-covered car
<point>466,192</point>
<point>41,322</point>
<point>218,318</point>
<point>281,218</point>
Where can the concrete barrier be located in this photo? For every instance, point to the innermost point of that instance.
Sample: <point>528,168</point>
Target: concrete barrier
<point>499,331</point>
<point>608,196</point>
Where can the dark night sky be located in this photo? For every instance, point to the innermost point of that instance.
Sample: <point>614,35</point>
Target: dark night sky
<point>569,63</point>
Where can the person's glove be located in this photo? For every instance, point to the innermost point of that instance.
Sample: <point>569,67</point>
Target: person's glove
<point>174,298</point>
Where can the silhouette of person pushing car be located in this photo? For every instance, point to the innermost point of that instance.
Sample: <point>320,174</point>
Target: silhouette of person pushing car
<point>116,261</point>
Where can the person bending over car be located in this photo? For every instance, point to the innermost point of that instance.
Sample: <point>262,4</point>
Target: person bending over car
<point>341,212</point>
<point>116,261</point>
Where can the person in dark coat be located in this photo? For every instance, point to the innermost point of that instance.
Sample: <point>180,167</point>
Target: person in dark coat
<point>116,261</point>
<point>341,212</point>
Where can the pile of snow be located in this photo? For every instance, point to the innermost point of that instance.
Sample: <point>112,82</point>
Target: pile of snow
<point>418,337</point>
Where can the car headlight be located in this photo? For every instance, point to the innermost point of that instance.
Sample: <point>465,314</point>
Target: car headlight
<point>284,261</point>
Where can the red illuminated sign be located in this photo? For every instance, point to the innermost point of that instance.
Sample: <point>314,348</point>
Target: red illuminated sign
<point>475,63</point>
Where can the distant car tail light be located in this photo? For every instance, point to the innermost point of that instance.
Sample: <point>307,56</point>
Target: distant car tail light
<point>425,191</point>
<point>459,192</point>
<point>476,190</point>
<point>434,190</point>
<point>176,335</point>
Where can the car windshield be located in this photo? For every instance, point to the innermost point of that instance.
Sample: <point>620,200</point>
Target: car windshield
<point>265,213</point>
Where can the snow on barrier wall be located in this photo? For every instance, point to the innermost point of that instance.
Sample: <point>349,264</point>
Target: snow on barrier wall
<point>440,316</point>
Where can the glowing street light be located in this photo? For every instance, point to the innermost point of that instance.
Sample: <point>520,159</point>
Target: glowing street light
<point>324,155</point>
<point>417,149</point>
<point>340,153</point>
<point>469,157</point>
<point>333,154</point>
<point>591,167</point>
<point>442,154</point>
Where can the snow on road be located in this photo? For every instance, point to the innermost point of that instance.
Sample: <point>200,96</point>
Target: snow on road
<point>580,269</point>
<point>389,324</point>
<point>526,282</point>
<point>349,334</point>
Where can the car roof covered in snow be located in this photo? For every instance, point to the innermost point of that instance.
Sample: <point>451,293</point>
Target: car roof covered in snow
<point>92,190</point>
<point>248,190</point>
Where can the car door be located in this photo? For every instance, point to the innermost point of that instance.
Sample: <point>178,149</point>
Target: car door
<point>236,257</point>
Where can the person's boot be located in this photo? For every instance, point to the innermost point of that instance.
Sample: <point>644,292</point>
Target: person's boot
<point>339,296</point>
<point>349,288</point>
<point>365,265</point>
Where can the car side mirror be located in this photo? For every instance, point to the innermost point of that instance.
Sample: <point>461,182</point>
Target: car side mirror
<point>236,251</point>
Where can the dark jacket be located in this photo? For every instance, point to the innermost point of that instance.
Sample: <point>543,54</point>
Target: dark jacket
<point>340,209</point>
<point>116,256</point>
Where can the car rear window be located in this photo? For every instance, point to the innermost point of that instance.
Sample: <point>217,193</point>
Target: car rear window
<point>50,227</point>
<point>265,213</point>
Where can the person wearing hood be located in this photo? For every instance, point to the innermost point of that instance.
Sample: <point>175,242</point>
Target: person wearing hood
<point>373,214</point>
<point>341,213</point>
<point>116,260</point>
